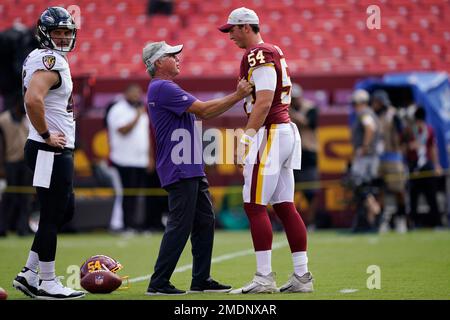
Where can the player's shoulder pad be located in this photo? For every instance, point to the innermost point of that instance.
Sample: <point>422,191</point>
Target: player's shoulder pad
<point>45,59</point>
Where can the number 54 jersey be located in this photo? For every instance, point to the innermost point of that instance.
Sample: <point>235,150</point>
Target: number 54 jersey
<point>265,54</point>
<point>58,102</point>
<point>276,148</point>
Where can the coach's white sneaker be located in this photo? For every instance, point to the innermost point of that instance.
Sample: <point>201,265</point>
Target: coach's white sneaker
<point>259,284</point>
<point>27,281</point>
<point>54,290</point>
<point>299,284</point>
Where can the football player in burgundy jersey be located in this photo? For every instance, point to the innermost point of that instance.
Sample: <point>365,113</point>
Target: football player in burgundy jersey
<point>273,151</point>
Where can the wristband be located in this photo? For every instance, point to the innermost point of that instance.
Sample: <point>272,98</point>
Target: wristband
<point>45,135</point>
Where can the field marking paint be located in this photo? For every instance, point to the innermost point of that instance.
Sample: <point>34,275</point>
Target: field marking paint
<point>224,257</point>
<point>348,290</point>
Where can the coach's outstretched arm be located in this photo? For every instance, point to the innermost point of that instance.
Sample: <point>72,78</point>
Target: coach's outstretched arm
<point>40,84</point>
<point>213,108</point>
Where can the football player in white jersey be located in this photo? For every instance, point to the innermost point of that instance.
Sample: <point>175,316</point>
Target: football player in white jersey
<point>47,88</point>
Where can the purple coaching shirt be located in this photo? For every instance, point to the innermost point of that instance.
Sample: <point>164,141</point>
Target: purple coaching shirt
<point>167,105</point>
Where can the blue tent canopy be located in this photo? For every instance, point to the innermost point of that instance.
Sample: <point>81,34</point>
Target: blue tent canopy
<point>430,90</point>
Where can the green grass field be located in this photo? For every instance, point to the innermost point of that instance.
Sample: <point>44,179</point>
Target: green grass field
<point>412,266</point>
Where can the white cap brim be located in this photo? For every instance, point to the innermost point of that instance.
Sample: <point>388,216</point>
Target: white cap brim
<point>175,49</point>
<point>166,49</point>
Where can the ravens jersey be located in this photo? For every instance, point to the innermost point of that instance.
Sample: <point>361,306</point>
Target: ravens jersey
<point>58,101</point>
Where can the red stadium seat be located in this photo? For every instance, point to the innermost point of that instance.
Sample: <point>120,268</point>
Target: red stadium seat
<point>393,62</point>
<point>316,35</point>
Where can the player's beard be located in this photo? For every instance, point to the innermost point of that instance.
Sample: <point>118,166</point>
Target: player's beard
<point>63,49</point>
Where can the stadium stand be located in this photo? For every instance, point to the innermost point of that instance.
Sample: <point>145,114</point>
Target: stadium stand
<point>330,35</point>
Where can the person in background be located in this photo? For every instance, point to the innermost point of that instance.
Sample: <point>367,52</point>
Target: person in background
<point>423,163</point>
<point>131,152</point>
<point>16,206</point>
<point>365,162</point>
<point>157,205</point>
<point>304,114</point>
<point>392,170</point>
<point>164,7</point>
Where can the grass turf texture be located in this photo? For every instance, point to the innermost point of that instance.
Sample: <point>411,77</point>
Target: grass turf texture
<point>415,265</point>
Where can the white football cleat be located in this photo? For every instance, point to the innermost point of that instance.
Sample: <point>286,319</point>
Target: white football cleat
<point>27,281</point>
<point>299,284</point>
<point>54,290</point>
<point>259,284</point>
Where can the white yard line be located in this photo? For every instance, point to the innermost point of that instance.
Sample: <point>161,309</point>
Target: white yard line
<point>348,290</point>
<point>224,257</point>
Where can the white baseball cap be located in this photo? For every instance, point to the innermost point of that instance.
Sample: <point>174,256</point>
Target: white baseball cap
<point>240,16</point>
<point>155,50</point>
